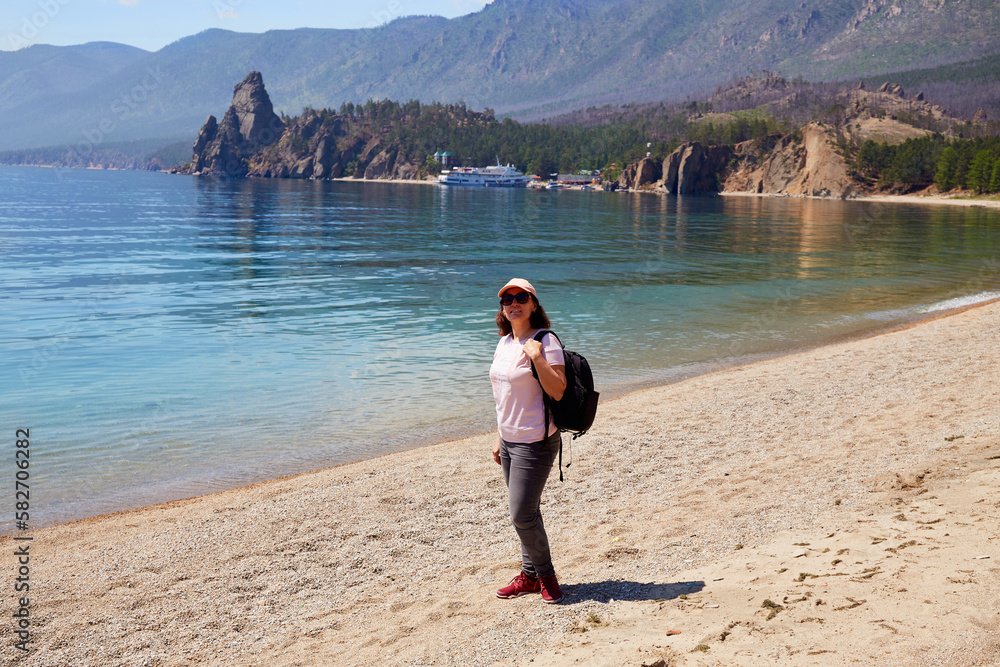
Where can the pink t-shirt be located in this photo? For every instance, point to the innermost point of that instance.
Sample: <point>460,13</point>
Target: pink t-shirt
<point>520,411</point>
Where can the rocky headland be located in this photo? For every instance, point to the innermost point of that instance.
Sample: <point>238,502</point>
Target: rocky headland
<point>811,166</point>
<point>249,125</point>
<point>251,140</point>
<point>779,165</point>
<point>807,162</point>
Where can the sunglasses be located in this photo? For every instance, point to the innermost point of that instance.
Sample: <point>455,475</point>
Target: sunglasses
<point>521,297</point>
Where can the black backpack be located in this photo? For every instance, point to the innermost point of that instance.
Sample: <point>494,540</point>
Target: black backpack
<point>575,411</point>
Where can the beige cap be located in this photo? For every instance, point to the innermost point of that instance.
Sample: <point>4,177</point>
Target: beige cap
<point>518,282</point>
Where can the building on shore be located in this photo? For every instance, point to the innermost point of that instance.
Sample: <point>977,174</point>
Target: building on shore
<point>445,158</point>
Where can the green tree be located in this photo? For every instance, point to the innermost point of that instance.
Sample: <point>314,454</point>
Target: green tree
<point>872,159</point>
<point>995,178</point>
<point>962,165</point>
<point>980,171</point>
<point>912,163</point>
<point>944,174</point>
<point>432,166</point>
<point>543,166</point>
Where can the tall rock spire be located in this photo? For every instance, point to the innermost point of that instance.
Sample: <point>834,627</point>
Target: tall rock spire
<point>259,125</point>
<point>248,125</point>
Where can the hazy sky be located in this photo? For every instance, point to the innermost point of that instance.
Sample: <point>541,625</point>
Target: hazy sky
<point>152,24</point>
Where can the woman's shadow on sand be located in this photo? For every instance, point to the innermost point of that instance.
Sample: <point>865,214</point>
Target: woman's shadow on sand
<point>605,591</point>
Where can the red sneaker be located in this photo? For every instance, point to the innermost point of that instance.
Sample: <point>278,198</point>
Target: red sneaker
<point>551,593</point>
<point>520,585</point>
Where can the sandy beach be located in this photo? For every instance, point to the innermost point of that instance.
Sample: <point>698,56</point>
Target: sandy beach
<point>938,199</point>
<point>830,507</point>
<point>933,199</point>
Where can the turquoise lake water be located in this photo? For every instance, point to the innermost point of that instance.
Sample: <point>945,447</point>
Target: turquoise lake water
<point>167,336</point>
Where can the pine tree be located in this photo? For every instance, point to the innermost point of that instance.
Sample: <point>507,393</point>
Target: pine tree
<point>995,178</point>
<point>980,170</point>
<point>944,175</point>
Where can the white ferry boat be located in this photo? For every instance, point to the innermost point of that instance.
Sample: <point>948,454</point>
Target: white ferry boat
<point>484,177</point>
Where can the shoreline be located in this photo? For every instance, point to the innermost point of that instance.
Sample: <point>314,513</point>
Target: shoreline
<point>400,181</point>
<point>930,199</point>
<point>612,392</point>
<point>879,199</point>
<point>882,199</point>
<point>676,485</point>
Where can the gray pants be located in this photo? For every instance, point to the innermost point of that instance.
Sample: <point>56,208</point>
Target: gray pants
<point>526,466</point>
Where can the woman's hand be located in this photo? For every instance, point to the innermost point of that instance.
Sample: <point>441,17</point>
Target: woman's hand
<point>496,451</point>
<point>533,349</point>
<point>553,378</point>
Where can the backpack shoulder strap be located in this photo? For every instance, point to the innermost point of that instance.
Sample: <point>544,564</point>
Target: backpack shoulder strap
<point>545,397</point>
<point>541,334</point>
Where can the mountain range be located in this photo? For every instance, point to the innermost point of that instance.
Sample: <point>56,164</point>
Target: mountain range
<point>527,59</point>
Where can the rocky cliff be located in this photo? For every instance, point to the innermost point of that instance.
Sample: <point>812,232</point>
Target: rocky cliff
<point>810,167</point>
<point>691,169</point>
<point>694,168</point>
<point>807,162</point>
<point>251,140</point>
<point>324,145</point>
<point>224,147</point>
<point>640,173</point>
<point>781,166</point>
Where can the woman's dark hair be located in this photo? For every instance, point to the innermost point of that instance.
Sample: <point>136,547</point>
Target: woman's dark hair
<point>538,319</point>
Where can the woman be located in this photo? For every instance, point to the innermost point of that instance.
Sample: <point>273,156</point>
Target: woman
<point>523,449</point>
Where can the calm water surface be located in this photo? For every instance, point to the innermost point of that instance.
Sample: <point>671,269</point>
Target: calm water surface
<point>165,336</point>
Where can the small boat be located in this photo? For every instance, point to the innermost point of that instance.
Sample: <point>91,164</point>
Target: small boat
<point>484,177</point>
<point>553,185</point>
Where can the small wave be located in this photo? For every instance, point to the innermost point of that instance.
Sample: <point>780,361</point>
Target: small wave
<point>877,316</point>
<point>899,314</point>
<point>959,302</point>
